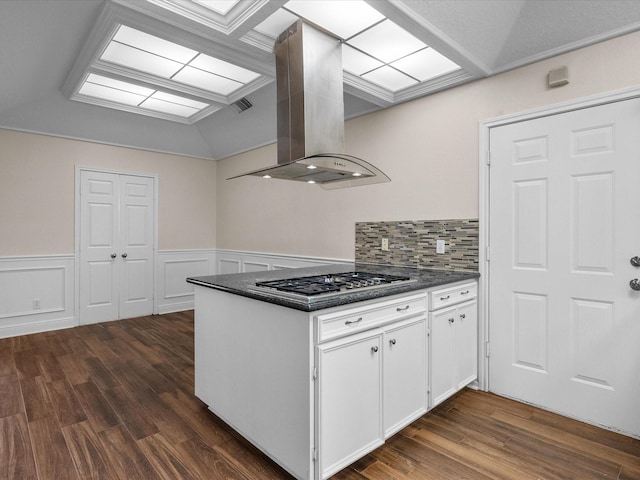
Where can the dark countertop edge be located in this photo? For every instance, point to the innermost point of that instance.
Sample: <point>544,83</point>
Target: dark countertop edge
<point>236,283</point>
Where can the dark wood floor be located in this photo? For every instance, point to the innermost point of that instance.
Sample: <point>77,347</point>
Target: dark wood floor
<point>115,401</point>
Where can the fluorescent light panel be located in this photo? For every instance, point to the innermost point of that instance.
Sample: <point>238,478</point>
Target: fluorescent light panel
<point>155,56</point>
<point>343,18</point>
<point>375,48</point>
<point>132,95</point>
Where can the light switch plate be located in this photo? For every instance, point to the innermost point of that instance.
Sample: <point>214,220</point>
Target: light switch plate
<point>385,245</point>
<point>439,246</point>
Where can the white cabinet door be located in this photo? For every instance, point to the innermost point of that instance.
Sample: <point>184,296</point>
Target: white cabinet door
<point>466,347</point>
<point>454,349</point>
<point>349,401</point>
<point>116,246</point>
<point>443,366</point>
<point>405,376</point>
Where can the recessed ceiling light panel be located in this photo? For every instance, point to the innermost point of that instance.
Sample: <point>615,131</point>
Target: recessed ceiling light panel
<point>276,23</point>
<point>357,62</point>
<point>343,18</point>
<point>390,78</point>
<point>222,68</point>
<point>152,44</point>
<point>425,64</point>
<point>387,42</point>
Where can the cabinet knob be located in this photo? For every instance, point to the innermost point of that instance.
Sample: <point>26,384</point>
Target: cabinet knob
<point>451,320</point>
<point>374,349</point>
<point>113,255</point>
<point>462,315</point>
<point>392,341</point>
<point>124,255</point>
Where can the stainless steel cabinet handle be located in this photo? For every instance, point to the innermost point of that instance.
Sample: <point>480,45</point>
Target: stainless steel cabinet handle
<point>351,322</point>
<point>392,341</point>
<point>466,292</point>
<point>124,255</point>
<point>634,284</point>
<point>445,298</point>
<point>113,255</point>
<point>635,261</point>
<point>401,309</point>
<point>374,349</point>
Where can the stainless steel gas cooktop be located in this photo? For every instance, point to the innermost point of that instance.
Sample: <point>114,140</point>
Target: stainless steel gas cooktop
<point>321,286</point>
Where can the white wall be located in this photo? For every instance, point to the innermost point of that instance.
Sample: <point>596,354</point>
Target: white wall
<point>37,175</point>
<point>429,148</point>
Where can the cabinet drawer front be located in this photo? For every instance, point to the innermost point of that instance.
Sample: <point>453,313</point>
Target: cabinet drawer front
<point>346,322</point>
<point>450,296</point>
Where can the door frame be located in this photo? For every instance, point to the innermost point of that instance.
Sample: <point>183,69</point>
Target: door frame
<point>77,231</point>
<point>484,208</point>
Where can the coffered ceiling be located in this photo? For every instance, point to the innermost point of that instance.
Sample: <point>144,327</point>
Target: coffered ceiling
<point>196,77</point>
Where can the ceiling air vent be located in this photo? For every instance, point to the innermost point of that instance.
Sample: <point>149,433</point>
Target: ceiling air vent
<point>242,105</point>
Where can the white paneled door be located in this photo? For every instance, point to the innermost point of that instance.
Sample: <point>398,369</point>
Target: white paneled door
<point>564,320</point>
<point>116,246</point>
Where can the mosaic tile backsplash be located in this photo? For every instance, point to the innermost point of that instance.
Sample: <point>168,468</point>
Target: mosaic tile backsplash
<point>413,243</point>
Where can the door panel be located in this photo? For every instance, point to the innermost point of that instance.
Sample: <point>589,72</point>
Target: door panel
<point>136,211</point>
<point>564,324</point>
<point>99,194</point>
<point>116,246</point>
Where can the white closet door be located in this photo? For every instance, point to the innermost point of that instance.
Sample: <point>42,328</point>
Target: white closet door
<point>116,246</point>
<point>564,321</point>
<point>136,246</point>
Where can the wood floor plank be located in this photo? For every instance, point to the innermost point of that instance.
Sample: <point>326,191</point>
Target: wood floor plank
<point>96,407</point>
<point>88,454</point>
<point>209,462</point>
<point>10,396</point>
<point>168,460</point>
<point>73,369</point>
<point>126,457</point>
<point>26,363</point>
<point>50,367</point>
<point>249,461</point>
<point>52,457</point>
<point>16,456</point>
<point>208,427</point>
<point>7,365</point>
<point>35,394</point>
<point>65,403</point>
<point>99,374</point>
<point>131,413</point>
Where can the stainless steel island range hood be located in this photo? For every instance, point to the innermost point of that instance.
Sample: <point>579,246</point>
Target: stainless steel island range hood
<point>311,113</point>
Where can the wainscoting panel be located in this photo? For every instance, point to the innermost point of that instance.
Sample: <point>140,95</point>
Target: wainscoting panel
<point>174,266</point>
<point>233,261</point>
<point>36,294</point>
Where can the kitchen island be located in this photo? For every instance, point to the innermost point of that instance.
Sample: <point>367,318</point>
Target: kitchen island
<point>318,383</point>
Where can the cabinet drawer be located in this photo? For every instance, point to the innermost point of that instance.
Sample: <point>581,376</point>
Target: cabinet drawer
<point>345,322</point>
<point>444,297</point>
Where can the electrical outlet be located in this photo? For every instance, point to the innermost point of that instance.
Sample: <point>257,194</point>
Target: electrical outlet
<point>385,245</point>
<point>36,303</point>
<point>439,246</point>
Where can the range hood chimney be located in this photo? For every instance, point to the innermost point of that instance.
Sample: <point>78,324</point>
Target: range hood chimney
<point>310,113</point>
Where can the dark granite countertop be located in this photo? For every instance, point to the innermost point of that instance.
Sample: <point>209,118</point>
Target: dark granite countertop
<point>238,283</point>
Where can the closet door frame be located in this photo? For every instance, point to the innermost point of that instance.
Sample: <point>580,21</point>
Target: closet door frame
<point>77,233</point>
